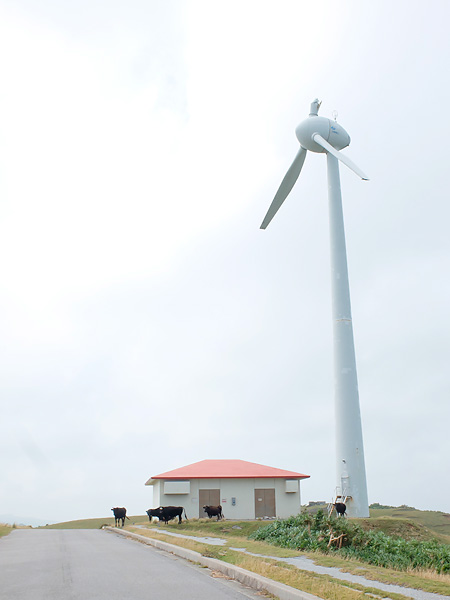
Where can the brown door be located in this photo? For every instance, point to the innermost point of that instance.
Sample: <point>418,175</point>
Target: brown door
<point>207,498</point>
<point>264,503</point>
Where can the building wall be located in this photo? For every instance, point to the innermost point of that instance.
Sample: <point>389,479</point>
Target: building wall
<point>157,494</point>
<point>243,490</point>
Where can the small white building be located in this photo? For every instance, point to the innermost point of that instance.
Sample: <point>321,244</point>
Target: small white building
<point>245,490</point>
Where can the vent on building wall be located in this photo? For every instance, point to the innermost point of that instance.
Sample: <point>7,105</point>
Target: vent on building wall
<point>291,485</point>
<point>177,487</point>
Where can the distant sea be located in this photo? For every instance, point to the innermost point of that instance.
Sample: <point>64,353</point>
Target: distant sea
<point>14,519</point>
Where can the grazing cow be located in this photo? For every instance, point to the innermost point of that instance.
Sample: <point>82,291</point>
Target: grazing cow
<point>119,513</point>
<point>152,513</point>
<point>167,513</point>
<point>340,508</point>
<point>214,511</point>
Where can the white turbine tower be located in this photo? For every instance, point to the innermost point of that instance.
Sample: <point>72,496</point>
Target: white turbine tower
<point>319,134</point>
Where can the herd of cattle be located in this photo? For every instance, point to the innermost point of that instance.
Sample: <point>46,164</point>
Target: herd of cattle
<point>165,513</point>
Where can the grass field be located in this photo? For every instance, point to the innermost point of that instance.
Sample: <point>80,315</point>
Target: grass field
<point>4,529</point>
<point>95,523</point>
<point>406,522</point>
<point>435,522</point>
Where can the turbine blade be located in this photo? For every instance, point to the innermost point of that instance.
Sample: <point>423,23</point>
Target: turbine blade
<point>342,157</point>
<point>286,186</point>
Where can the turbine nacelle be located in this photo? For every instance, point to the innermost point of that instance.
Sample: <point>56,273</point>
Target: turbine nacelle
<point>329,130</point>
<point>317,134</point>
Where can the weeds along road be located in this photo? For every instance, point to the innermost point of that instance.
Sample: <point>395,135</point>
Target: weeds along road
<point>50,564</point>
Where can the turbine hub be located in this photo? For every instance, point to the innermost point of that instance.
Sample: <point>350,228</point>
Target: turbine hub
<point>331,131</point>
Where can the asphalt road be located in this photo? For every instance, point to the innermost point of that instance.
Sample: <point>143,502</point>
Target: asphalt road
<point>52,564</point>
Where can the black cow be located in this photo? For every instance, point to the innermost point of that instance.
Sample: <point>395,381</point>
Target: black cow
<point>214,511</point>
<point>167,513</point>
<point>153,512</point>
<point>119,513</point>
<point>340,508</point>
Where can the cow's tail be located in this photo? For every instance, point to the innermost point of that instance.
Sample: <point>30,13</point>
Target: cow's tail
<point>127,517</point>
<point>185,515</point>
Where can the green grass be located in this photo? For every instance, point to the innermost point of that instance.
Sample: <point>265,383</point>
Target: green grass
<point>348,539</point>
<point>436,522</point>
<point>406,522</point>
<point>405,528</point>
<point>94,523</point>
<point>220,528</point>
<point>204,529</point>
<point>5,529</point>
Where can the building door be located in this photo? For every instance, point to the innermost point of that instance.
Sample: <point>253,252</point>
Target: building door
<point>207,498</point>
<point>264,503</point>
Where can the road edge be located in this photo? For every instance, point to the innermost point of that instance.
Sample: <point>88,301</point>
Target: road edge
<point>253,580</point>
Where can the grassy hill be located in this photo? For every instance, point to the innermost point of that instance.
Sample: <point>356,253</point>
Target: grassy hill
<point>404,521</point>
<point>96,523</point>
<point>436,522</point>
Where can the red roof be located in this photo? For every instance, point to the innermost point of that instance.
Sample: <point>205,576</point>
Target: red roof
<point>227,469</point>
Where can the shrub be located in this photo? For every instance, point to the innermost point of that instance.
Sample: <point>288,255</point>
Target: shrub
<point>338,535</point>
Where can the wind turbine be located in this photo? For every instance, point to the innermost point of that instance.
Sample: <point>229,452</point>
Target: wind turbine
<point>319,134</point>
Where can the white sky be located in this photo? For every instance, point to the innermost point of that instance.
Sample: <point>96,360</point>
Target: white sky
<point>146,322</point>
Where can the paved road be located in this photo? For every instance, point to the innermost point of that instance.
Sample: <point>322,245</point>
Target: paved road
<point>50,564</point>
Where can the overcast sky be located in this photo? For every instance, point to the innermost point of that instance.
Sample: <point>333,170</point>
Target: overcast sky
<point>146,322</point>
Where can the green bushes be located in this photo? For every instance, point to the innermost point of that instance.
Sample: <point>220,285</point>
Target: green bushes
<point>348,539</point>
